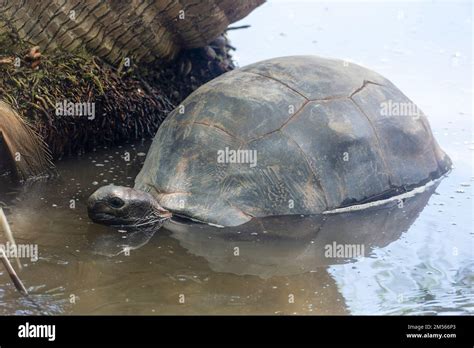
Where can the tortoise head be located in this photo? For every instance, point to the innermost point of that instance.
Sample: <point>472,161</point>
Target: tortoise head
<point>126,207</point>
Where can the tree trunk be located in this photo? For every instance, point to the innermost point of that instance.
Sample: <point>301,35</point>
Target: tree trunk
<point>77,40</point>
<point>146,30</point>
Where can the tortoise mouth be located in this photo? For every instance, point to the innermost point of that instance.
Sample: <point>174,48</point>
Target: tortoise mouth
<point>125,207</point>
<point>99,212</point>
<point>107,219</point>
<point>110,219</point>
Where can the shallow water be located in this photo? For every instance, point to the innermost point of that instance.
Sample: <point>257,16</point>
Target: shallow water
<point>417,258</point>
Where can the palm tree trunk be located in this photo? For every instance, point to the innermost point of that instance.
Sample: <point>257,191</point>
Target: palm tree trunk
<point>113,30</point>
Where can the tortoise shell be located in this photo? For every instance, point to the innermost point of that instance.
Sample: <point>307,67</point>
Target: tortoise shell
<point>322,134</point>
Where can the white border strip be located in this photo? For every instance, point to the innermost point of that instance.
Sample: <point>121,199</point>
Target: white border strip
<point>384,201</point>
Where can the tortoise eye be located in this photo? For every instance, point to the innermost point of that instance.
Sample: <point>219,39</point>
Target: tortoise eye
<point>116,202</point>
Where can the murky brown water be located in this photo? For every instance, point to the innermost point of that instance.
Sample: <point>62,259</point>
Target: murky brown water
<point>418,258</point>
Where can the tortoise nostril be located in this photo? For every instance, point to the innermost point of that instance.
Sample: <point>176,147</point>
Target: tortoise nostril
<point>116,202</point>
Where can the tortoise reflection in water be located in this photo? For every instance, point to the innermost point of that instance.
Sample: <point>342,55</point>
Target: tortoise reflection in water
<point>282,245</point>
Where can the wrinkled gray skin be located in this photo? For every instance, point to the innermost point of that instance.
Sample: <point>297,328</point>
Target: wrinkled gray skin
<point>321,138</point>
<point>124,206</point>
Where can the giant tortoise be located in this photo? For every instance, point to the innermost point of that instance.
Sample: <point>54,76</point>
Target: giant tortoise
<point>291,135</point>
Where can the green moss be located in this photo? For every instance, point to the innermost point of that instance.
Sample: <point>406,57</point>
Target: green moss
<point>130,102</point>
<point>123,107</point>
